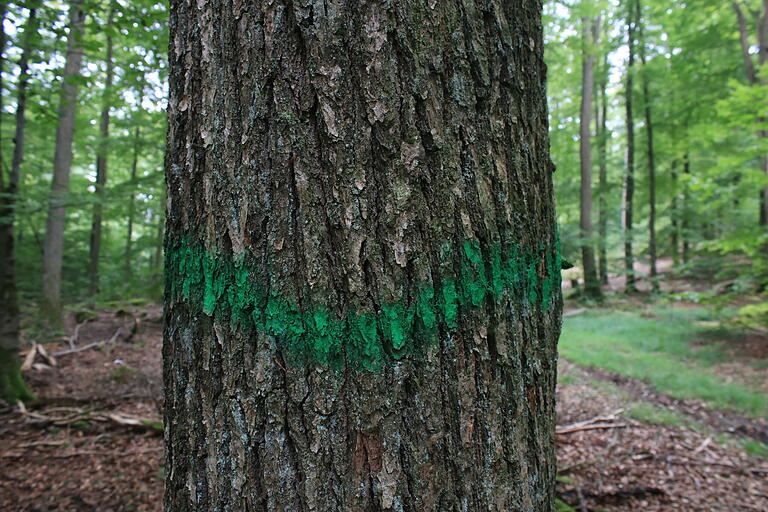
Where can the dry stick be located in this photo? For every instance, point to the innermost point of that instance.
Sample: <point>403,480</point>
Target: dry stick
<point>699,462</point>
<point>75,335</point>
<point>593,426</point>
<point>80,453</point>
<point>86,415</point>
<point>88,346</point>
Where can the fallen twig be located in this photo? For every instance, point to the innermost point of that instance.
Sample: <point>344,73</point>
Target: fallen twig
<point>596,423</point>
<point>89,346</point>
<point>79,415</point>
<point>76,335</point>
<point>593,426</point>
<point>79,453</point>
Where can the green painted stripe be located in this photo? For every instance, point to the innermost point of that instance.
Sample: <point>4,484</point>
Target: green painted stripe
<point>227,287</point>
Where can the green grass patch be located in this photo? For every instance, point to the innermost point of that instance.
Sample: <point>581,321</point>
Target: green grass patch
<point>649,413</point>
<point>755,448</point>
<point>659,348</point>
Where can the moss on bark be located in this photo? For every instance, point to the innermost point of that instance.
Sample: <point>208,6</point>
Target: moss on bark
<point>12,386</point>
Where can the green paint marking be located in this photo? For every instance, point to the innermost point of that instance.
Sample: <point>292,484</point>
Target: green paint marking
<point>228,288</point>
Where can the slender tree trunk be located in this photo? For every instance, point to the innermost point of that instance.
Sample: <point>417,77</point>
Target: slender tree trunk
<point>650,155</point>
<point>53,247</point>
<point>132,203</point>
<point>629,184</point>
<point>12,387</point>
<point>101,163</point>
<point>685,222</point>
<point>674,214</point>
<point>602,203</point>
<point>762,42</point>
<point>362,295</point>
<point>591,31</point>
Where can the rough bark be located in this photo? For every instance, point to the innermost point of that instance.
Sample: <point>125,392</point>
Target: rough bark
<point>651,158</point>
<point>362,296</point>
<point>591,31</point>
<point>101,163</point>
<point>12,387</point>
<point>629,179</point>
<point>602,200</point>
<point>53,246</point>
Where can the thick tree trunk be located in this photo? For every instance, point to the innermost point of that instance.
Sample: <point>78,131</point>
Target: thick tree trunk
<point>12,387</point>
<point>101,164</point>
<point>53,247</point>
<point>650,154</point>
<point>602,201</point>
<point>591,30</point>
<point>629,184</point>
<point>362,296</point>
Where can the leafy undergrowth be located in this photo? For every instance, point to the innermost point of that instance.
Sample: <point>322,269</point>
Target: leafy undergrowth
<point>676,351</point>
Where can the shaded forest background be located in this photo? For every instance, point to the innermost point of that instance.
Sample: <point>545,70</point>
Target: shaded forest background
<point>675,125</point>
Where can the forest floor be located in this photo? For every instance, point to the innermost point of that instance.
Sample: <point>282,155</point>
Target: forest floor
<point>629,439</point>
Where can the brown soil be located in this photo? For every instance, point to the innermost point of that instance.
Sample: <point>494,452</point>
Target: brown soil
<point>90,464</point>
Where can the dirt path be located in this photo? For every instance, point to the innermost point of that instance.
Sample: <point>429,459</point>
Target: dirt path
<point>647,466</point>
<point>724,422</point>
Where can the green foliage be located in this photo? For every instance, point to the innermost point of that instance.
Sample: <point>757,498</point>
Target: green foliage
<point>754,315</point>
<point>706,119</point>
<point>137,100</point>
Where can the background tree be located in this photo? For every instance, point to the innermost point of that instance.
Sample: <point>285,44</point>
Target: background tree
<point>101,158</point>
<point>363,281</point>
<point>629,179</point>
<point>590,35</point>
<point>53,247</point>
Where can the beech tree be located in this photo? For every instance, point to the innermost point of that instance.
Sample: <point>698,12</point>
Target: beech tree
<point>363,292</point>
<point>12,387</point>
<point>590,36</point>
<point>53,247</point>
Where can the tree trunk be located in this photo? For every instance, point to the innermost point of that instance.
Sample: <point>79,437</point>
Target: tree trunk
<point>12,387</point>
<point>674,214</point>
<point>101,163</point>
<point>53,247</point>
<point>651,158</point>
<point>591,30</point>
<point>685,223</point>
<point>754,79</point>
<point>363,291</point>
<point>602,202</point>
<point>132,203</point>
<point>629,184</point>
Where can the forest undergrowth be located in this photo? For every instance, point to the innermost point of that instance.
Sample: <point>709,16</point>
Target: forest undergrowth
<point>628,437</point>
